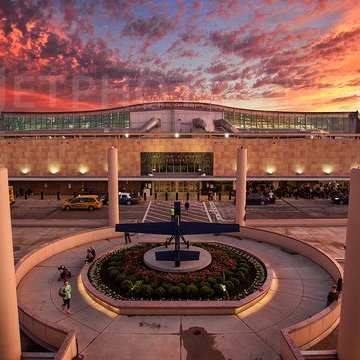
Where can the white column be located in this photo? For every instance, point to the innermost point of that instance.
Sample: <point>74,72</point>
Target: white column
<point>10,348</point>
<point>349,328</point>
<point>113,186</point>
<point>241,169</point>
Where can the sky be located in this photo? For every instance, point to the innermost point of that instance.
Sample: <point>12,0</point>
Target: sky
<point>70,55</point>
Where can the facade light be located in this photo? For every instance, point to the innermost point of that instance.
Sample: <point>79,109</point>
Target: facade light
<point>327,169</point>
<point>54,170</point>
<point>177,135</point>
<point>83,170</point>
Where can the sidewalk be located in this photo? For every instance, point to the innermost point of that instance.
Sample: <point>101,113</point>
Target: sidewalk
<point>299,292</point>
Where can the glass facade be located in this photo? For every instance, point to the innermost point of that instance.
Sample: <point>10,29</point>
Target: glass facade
<point>119,118</point>
<point>332,122</point>
<point>177,163</point>
<point>65,121</point>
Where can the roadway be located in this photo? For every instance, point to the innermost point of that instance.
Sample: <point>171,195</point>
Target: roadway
<point>286,208</point>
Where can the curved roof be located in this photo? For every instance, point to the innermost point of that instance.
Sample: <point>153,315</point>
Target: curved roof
<point>185,105</point>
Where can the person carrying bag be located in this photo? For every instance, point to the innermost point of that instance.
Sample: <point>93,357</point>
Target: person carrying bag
<point>65,293</point>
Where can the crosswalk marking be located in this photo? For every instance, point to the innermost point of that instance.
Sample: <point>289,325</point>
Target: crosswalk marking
<point>160,211</point>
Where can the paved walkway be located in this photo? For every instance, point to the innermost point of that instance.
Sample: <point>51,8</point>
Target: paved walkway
<point>298,291</point>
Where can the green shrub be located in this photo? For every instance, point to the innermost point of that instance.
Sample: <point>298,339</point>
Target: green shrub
<point>114,263</point>
<point>244,269</point>
<point>219,291</point>
<point>154,284</point>
<point>228,274</point>
<point>235,281</point>
<point>166,286</point>
<point>145,291</point>
<point>243,265</point>
<point>159,293</point>
<point>191,291</point>
<point>206,292</point>
<point>204,283</point>
<point>120,278</point>
<point>229,285</point>
<point>211,281</point>
<point>114,273</point>
<point>126,285</point>
<point>174,291</point>
<point>240,275</point>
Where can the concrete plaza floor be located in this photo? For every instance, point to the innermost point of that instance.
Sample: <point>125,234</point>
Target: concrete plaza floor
<point>298,292</point>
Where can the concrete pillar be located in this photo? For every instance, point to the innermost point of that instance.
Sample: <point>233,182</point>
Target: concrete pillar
<point>10,347</point>
<point>241,169</point>
<point>113,186</point>
<point>349,328</point>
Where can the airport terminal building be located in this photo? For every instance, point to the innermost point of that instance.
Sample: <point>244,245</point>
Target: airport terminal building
<point>176,147</point>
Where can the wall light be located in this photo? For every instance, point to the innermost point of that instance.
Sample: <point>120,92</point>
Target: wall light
<point>54,170</point>
<point>126,135</point>
<point>83,170</point>
<point>270,170</point>
<point>25,170</point>
<point>299,171</point>
<point>177,135</point>
<point>327,169</point>
<point>226,135</point>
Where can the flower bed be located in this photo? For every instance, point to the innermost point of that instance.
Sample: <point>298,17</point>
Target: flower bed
<point>232,275</point>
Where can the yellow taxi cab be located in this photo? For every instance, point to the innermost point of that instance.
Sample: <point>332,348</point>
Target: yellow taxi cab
<point>11,195</point>
<point>89,202</point>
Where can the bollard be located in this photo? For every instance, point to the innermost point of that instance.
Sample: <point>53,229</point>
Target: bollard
<point>42,195</point>
<point>198,196</point>
<point>144,196</point>
<point>187,196</point>
<point>58,195</point>
<point>155,196</point>
<point>166,196</point>
<point>177,196</point>
<point>229,195</point>
<point>219,196</point>
<point>25,195</point>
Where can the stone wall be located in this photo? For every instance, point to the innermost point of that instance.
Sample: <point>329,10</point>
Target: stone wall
<point>282,157</point>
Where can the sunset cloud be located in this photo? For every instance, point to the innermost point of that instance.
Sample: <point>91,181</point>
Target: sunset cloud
<point>68,55</point>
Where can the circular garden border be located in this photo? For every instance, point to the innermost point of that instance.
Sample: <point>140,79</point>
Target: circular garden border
<point>153,307</point>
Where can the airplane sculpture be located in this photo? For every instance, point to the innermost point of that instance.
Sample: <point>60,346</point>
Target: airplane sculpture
<point>177,229</point>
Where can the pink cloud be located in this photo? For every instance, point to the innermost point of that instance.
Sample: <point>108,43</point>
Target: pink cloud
<point>342,99</point>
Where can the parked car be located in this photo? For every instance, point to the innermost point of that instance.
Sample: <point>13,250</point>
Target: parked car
<point>89,202</point>
<point>255,199</point>
<point>341,199</point>
<point>104,199</point>
<point>128,199</point>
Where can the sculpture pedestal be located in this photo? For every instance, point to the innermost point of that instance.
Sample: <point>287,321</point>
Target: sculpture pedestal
<point>185,266</point>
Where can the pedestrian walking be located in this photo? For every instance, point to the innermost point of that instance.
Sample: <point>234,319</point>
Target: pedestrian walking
<point>187,206</point>
<point>65,293</point>
<point>127,237</point>
<point>64,273</point>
